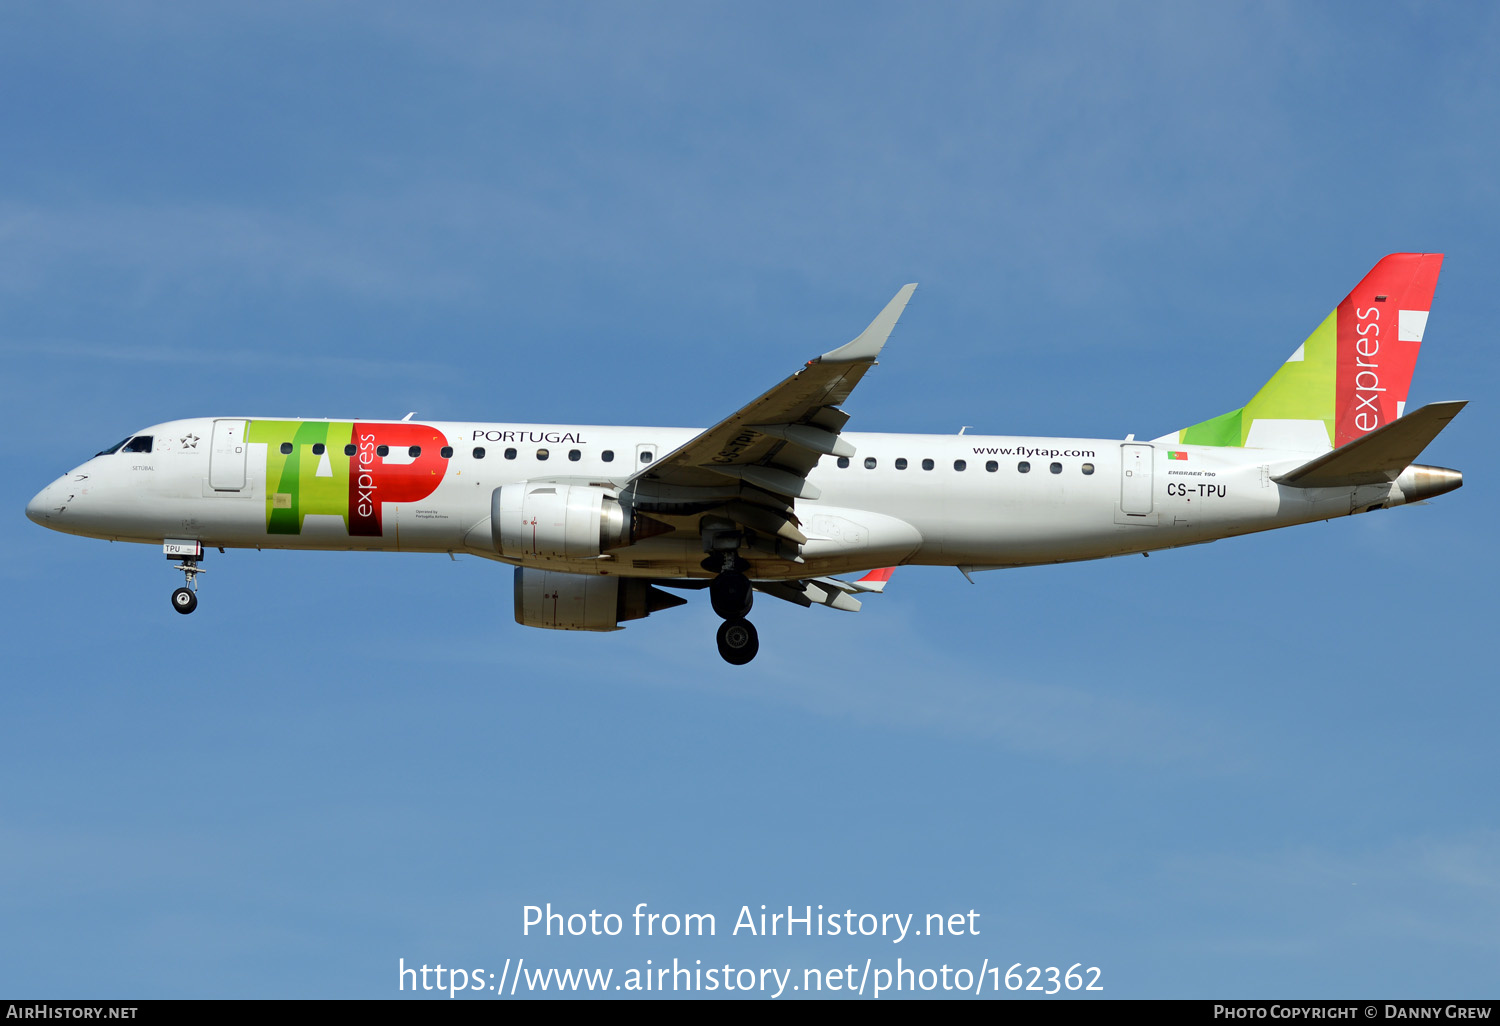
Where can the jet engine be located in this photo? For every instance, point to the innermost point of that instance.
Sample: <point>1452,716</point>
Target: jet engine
<point>574,602</point>
<point>540,520</point>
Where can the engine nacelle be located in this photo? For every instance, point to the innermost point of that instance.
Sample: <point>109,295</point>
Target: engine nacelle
<point>541,520</point>
<point>575,602</point>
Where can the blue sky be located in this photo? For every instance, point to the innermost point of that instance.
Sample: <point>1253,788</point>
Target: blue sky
<point>1262,767</point>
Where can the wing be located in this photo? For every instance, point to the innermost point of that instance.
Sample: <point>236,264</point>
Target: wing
<point>756,460</point>
<point>828,591</point>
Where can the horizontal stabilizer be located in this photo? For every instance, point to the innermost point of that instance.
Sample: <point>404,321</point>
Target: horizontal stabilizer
<point>1379,456</point>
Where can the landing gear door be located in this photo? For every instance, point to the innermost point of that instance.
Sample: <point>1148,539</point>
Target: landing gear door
<point>1135,480</point>
<point>226,468</point>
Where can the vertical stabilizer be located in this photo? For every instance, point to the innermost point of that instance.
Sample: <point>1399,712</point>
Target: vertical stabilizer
<point>1349,377</point>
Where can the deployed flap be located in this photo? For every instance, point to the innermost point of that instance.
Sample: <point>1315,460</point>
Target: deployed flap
<point>823,591</point>
<point>772,443</point>
<point>828,591</point>
<point>1379,456</point>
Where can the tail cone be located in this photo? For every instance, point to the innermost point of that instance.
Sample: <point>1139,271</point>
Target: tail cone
<point>1418,482</point>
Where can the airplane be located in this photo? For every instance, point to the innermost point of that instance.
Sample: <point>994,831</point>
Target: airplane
<point>603,524</point>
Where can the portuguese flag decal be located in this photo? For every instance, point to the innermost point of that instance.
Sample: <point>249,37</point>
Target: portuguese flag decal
<point>1173,454</point>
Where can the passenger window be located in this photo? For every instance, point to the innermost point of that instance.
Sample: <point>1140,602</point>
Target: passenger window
<point>645,455</point>
<point>319,448</point>
<point>901,463</point>
<point>927,464</point>
<point>542,454</point>
<point>843,462</point>
<point>382,451</point>
<point>869,462</point>
<point>286,449</point>
<point>1056,468</point>
<point>510,454</point>
<point>1024,467</point>
<point>960,465</point>
<point>991,466</point>
<point>349,449</point>
<point>573,455</point>
<point>414,451</point>
<point>479,452</point>
<point>446,452</point>
<point>608,455</point>
<point>1088,468</point>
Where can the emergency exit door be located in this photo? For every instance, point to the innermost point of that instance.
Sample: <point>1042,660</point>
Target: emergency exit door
<point>1135,479</point>
<point>226,467</point>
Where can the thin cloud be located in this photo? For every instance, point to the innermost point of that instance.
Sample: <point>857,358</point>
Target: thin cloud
<point>194,245</point>
<point>257,360</point>
<point>1444,889</point>
<point>885,676</point>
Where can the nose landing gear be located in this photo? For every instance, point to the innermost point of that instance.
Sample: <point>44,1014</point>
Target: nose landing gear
<point>185,599</point>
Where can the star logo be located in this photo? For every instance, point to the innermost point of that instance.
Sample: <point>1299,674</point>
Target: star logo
<point>190,441</point>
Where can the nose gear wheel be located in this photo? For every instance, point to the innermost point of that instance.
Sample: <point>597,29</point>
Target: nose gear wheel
<point>185,599</point>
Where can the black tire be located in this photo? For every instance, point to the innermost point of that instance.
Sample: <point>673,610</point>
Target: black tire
<point>738,641</point>
<point>184,600</point>
<point>731,595</point>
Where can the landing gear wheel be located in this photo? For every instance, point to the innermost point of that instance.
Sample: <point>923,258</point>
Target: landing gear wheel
<point>731,595</point>
<point>738,641</point>
<point>184,601</point>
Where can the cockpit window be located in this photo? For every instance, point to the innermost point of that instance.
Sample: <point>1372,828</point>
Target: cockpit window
<point>112,449</point>
<point>140,443</point>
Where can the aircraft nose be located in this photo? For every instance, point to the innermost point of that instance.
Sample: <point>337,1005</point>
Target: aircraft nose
<point>41,506</point>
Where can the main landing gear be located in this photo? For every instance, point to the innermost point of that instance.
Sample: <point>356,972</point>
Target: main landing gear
<point>185,599</point>
<point>738,641</point>
<point>731,595</point>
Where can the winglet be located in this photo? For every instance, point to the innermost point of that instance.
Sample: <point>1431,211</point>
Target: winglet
<point>875,580</point>
<point>870,341</point>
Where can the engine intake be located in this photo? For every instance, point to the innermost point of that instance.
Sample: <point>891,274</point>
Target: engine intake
<point>574,602</point>
<point>540,520</point>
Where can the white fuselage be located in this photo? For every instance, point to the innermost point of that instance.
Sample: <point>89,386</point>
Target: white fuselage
<point>975,507</point>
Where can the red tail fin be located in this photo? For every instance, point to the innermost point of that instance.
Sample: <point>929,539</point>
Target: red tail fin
<point>1380,326</point>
